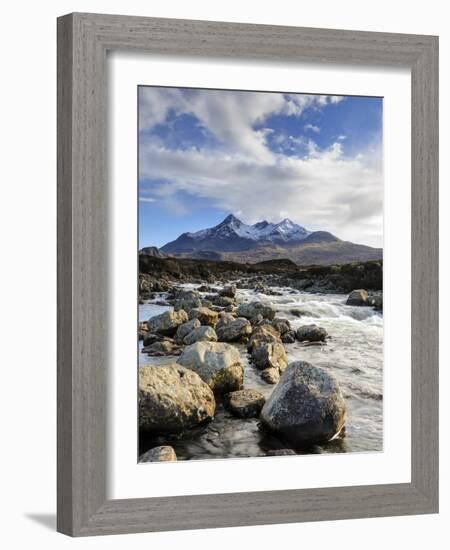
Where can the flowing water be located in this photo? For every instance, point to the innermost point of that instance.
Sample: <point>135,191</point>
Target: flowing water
<point>353,353</point>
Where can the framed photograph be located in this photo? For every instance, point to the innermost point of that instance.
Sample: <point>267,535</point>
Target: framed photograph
<point>247,274</point>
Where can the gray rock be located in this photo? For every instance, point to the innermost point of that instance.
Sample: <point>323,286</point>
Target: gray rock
<point>187,304</point>
<point>184,329</point>
<point>218,364</point>
<point>311,333</point>
<point>357,298</point>
<point>225,318</point>
<point>205,315</point>
<point>263,334</point>
<point>271,375</point>
<point>305,407</point>
<point>228,291</point>
<point>245,403</point>
<point>201,334</point>
<point>270,355</point>
<point>223,301</point>
<point>173,399</point>
<point>234,331</point>
<point>288,337</point>
<point>282,325</point>
<point>167,323</point>
<point>252,309</point>
<point>376,302</point>
<point>165,453</point>
<point>158,349</point>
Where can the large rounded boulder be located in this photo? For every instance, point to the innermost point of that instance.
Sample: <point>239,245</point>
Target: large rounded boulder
<point>306,406</point>
<point>311,333</point>
<point>201,334</point>
<point>358,298</point>
<point>233,331</point>
<point>167,323</point>
<point>216,363</point>
<point>253,309</point>
<point>173,399</point>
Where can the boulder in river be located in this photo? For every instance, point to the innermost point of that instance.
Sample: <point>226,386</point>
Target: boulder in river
<point>218,364</point>
<point>281,325</point>
<point>201,334</point>
<point>263,334</point>
<point>288,337</point>
<point>164,453</point>
<point>228,291</point>
<point>271,375</point>
<point>376,302</point>
<point>245,403</point>
<point>205,315</point>
<point>357,298</point>
<point>173,399</point>
<point>268,355</point>
<point>311,333</point>
<point>184,329</point>
<point>167,323</point>
<point>223,301</point>
<point>161,348</point>
<point>252,309</point>
<point>305,407</point>
<point>234,331</point>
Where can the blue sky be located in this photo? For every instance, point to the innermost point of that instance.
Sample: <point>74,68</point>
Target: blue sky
<point>203,154</point>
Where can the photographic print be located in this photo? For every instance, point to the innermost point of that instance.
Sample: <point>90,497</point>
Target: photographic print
<point>260,308</point>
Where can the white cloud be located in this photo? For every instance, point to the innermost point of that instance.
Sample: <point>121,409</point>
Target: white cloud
<point>312,127</point>
<point>322,189</point>
<point>146,199</point>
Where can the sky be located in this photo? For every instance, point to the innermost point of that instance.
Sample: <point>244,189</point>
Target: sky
<point>203,154</point>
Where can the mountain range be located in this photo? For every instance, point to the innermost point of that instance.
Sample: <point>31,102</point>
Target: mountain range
<point>236,241</point>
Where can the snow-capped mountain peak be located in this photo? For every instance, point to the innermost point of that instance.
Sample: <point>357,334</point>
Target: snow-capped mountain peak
<point>286,230</point>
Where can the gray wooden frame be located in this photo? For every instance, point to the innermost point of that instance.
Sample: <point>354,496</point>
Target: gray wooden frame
<point>83,41</point>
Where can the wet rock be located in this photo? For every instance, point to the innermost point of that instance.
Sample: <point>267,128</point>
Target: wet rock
<point>252,309</point>
<point>263,334</point>
<point>234,331</point>
<point>288,337</point>
<point>228,291</point>
<point>311,333</point>
<point>205,315</point>
<point>305,407</point>
<point>184,329</point>
<point>201,334</point>
<point>245,403</point>
<point>376,302</point>
<point>164,453</point>
<point>257,320</point>
<point>271,355</point>
<point>218,364</point>
<point>142,331</point>
<point>281,325</point>
<point>357,298</point>
<point>167,323</point>
<point>223,301</point>
<point>150,338</point>
<point>160,349</point>
<point>173,399</point>
<point>270,375</point>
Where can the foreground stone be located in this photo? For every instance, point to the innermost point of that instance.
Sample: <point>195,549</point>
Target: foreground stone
<point>357,298</point>
<point>245,403</point>
<point>311,333</point>
<point>184,329</point>
<point>265,356</point>
<point>205,315</point>
<point>165,453</point>
<point>281,325</point>
<point>270,375</point>
<point>167,323</point>
<point>234,330</point>
<point>201,334</point>
<point>253,309</point>
<point>173,399</point>
<point>263,334</point>
<point>305,407</point>
<point>217,364</point>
